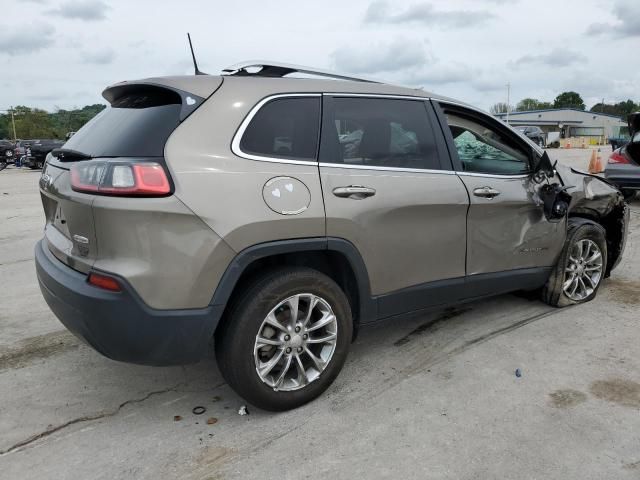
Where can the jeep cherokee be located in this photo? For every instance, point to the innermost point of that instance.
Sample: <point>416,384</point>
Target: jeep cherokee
<point>274,216</point>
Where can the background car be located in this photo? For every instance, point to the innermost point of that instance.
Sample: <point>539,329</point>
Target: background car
<point>623,167</point>
<point>6,151</point>
<point>39,151</point>
<point>535,134</point>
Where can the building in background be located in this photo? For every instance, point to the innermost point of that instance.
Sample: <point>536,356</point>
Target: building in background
<point>570,123</point>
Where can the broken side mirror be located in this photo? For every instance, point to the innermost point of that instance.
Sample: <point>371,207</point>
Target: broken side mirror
<point>555,200</point>
<point>543,168</point>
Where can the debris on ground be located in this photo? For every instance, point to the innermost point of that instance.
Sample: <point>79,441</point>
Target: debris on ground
<point>243,410</point>
<point>212,421</point>
<point>199,410</point>
<point>518,372</point>
<point>177,418</point>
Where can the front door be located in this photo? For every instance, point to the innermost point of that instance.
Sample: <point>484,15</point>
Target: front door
<point>389,189</point>
<point>506,226</point>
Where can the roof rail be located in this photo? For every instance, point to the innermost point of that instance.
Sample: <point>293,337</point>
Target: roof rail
<point>273,69</point>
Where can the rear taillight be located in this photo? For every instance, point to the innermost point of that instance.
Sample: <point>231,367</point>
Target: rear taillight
<point>617,157</point>
<point>120,178</point>
<point>104,281</point>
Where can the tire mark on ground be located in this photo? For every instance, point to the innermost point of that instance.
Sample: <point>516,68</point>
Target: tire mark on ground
<point>37,348</point>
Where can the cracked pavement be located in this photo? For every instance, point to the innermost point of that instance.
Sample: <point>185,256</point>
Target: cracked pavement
<point>431,396</point>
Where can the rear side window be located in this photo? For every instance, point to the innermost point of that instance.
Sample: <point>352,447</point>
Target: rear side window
<point>137,124</point>
<point>284,128</point>
<point>379,133</point>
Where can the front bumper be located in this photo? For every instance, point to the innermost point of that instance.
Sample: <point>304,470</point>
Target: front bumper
<point>120,325</point>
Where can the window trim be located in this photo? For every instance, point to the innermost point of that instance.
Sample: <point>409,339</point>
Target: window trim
<point>237,138</point>
<point>480,116</point>
<point>431,116</point>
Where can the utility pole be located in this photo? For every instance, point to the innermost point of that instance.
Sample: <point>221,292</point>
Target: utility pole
<point>508,100</point>
<point>13,122</point>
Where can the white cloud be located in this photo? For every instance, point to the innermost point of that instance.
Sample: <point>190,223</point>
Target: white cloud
<point>25,39</point>
<point>90,10</point>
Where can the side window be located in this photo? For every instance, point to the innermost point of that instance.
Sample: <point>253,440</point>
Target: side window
<point>284,128</point>
<point>482,149</point>
<point>379,132</point>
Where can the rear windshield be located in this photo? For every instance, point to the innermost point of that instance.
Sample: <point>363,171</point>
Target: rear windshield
<point>136,125</point>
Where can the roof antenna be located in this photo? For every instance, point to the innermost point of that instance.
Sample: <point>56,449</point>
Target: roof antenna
<point>193,55</point>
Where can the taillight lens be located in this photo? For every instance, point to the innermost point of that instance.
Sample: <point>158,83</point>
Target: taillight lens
<point>120,178</point>
<point>104,281</point>
<point>617,157</point>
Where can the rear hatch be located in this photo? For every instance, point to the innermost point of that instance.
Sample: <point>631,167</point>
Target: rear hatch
<point>133,130</point>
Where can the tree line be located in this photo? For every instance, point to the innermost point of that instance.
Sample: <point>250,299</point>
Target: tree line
<point>32,123</point>
<point>568,100</point>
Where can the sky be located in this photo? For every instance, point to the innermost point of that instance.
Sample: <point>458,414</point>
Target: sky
<point>63,53</point>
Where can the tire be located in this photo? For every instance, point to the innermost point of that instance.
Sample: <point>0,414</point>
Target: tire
<point>238,354</point>
<point>580,231</point>
<point>628,194</point>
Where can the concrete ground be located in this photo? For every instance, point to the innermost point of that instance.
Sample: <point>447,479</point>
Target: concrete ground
<point>430,397</point>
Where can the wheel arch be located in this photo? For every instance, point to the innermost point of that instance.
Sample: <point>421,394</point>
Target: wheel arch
<point>336,257</point>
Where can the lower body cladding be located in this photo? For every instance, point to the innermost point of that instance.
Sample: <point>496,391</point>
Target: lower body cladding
<point>120,325</point>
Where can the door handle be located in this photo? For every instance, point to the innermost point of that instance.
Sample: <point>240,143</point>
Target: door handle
<point>356,192</point>
<point>486,192</point>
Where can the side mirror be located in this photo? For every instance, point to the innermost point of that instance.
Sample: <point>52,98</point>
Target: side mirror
<point>543,168</point>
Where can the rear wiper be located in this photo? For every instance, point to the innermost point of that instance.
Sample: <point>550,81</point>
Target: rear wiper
<point>69,155</point>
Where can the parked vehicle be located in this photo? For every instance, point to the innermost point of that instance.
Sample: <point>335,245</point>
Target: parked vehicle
<point>623,167</point>
<point>619,140</point>
<point>6,152</point>
<point>245,208</point>
<point>535,134</point>
<point>39,151</point>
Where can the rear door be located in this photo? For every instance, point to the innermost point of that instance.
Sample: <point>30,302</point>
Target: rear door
<point>506,227</point>
<point>389,189</point>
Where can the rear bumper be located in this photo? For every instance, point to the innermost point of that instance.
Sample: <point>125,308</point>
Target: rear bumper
<point>120,325</point>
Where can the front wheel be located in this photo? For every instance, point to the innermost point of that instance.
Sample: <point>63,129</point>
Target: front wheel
<point>581,266</point>
<point>285,338</point>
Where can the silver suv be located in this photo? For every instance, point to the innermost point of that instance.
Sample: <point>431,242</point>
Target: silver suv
<point>275,216</point>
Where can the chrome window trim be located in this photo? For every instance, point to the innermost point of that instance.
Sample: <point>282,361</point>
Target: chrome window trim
<point>491,175</point>
<point>237,138</point>
<point>385,169</point>
<point>375,95</point>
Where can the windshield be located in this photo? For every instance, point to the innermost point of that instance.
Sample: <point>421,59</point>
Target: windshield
<point>136,125</point>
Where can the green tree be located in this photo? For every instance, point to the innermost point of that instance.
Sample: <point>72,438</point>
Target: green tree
<point>5,128</point>
<point>569,100</point>
<point>527,104</point>
<point>620,109</point>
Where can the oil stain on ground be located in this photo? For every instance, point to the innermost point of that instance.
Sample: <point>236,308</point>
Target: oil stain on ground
<point>567,398</point>
<point>624,291</point>
<point>617,390</point>
<point>448,314</point>
<point>37,348</point>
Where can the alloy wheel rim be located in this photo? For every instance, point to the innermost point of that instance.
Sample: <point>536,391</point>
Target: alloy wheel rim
<point>583,271</point>
<point>295,342</point>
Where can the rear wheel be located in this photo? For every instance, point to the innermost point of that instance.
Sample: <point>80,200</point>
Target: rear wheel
<point>581,266</point>
<point>285,339</point>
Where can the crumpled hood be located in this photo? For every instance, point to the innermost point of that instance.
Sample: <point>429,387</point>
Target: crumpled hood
<point>589,193</point>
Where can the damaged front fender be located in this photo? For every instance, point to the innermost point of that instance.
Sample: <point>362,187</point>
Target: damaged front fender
<point>594,198</point>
